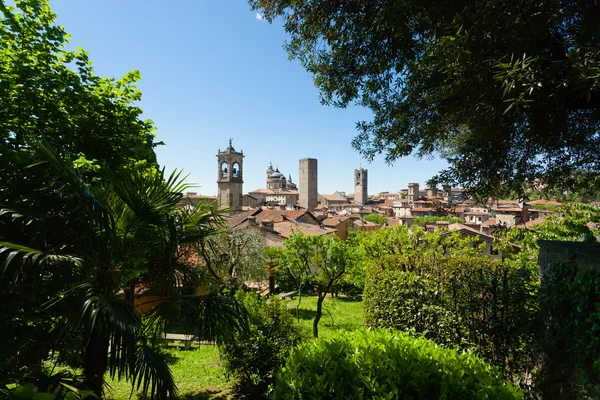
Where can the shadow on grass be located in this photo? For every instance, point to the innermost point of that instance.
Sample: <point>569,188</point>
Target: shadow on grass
<point>303,313</point>
<point>206,395</point>
<point>348,299</point>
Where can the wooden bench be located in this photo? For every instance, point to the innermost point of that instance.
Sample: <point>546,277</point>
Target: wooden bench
<point>179,337</point>
<point>288,295</point>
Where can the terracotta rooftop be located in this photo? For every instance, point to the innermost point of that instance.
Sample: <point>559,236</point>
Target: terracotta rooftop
<point>544,202</point>
<point>465,230</point>
<point>360,222</point>
<point>335,221</point>
<point>490,222</point>
<point>274,216</point>
<point>334,197</point>
<point>507,209</point>
<point>531,223</point>
<point>289,228</point>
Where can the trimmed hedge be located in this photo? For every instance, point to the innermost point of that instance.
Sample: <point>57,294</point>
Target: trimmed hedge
<point>385,365</point>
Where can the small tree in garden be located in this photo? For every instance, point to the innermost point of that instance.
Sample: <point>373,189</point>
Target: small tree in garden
<point>271,257</point>
<point>318,262</point>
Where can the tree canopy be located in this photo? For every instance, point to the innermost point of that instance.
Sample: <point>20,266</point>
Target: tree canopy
<point>507,92</point>
<point>49,91</point>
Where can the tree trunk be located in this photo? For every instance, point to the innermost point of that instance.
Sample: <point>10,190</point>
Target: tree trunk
<point>271,283</point>
<point>320,298</point>
<point>95,362</point>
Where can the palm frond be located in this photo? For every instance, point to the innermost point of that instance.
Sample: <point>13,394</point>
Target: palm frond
<point>14,251</point>
<point>216,317</point>
<point>152,374</point>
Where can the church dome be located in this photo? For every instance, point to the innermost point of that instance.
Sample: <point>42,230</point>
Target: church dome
<point>276,176</point>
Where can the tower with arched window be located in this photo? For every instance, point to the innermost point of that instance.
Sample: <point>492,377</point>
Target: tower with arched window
<point>230,178</point>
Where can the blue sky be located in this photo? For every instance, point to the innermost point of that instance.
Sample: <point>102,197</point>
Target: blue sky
<point>212,70</point>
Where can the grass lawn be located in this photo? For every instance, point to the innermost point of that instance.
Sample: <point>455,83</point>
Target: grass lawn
<point>198,372</point>
<point>339,314</point>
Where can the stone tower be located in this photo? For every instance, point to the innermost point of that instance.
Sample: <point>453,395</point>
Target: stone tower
<point>360,186</point>
<point>308,183</point>
<point>413,192</point>
<point>230,178</point>
<point>447,193</point>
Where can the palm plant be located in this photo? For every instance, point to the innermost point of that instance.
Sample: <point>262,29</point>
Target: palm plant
<point>115,235</point>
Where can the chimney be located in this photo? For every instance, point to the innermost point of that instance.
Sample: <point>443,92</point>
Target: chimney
<point>252,220</point>
<point>267,224</point>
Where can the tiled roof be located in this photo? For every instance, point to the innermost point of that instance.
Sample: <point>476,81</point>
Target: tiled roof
<point>476,213</point>
<point>237,219</point>
<point>531,223</point>
<point>280,215</point>
<point>289,228</point>
<point>335,221</point>
<point>545,202</point>
<point>364,223</point>
<point>507,209</point>
<point>333,197</point>
<point>490,222</point>
<point>465,230</point>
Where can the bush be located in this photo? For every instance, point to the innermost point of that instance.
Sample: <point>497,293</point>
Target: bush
<point>253,357</point>
<point>452,295</point>
<point>385,365</point>
<point>571,334</point>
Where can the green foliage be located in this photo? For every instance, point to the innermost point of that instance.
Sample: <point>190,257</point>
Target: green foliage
<point>128,234</point>
<point>439,286</point>
<point>254,356</point>
<point>317,262</point>
<point>29,391</point>
<point>500,89</point>
<point>339,314</point>
<point>234,257</point>
<point>571,299</point>
<point>52,92</point>
<point>421,221</point>
<point>385,365</point>
<point>375,218</point>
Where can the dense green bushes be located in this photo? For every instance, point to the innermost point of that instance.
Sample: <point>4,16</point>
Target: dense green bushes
<point>436,285</point>
<point>571,338</point>
<point>254,356</point>
<point>385,365</point>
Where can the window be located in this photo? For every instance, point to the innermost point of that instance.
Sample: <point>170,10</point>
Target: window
<point>493,251</point>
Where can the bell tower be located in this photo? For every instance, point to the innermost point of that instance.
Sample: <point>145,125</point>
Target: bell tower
<point>360,186</point>
<point>230,177</point>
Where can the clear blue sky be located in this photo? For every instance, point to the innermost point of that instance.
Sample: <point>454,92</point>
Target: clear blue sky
<point>212,70</point>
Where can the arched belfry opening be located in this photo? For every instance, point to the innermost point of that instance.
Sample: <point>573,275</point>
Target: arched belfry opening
<point>224,170</point>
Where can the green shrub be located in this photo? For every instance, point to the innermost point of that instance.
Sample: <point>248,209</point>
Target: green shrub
<point>253,357</point>
<point>385,365</point>
<point>438,287</point>
<point>571,334</point>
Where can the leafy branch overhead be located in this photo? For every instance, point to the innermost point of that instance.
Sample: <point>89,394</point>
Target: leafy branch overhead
<point>507,92</point>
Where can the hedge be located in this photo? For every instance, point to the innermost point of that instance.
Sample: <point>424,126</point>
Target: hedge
<point>382,364</point>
